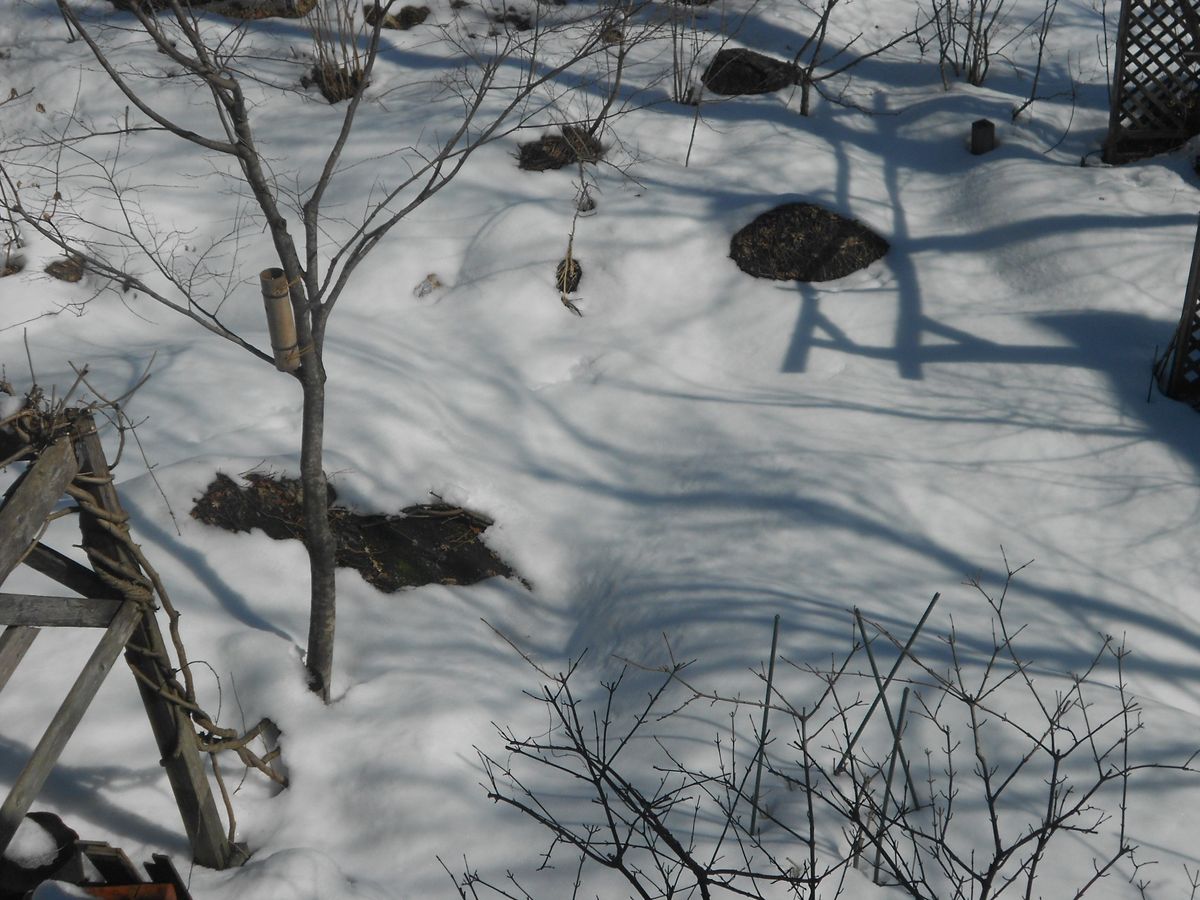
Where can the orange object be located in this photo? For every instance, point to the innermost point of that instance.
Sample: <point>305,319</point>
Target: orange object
<point>132,891</point>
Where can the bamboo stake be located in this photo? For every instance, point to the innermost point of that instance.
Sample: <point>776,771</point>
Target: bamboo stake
<point>280,320</point>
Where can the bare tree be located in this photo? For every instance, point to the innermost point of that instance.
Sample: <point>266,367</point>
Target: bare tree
<point>505,83</point>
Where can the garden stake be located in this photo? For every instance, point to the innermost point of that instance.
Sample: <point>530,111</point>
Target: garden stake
<point>886,708</point>
<point>887,789</point>
<point>762,740</point>
<point>841,766</point>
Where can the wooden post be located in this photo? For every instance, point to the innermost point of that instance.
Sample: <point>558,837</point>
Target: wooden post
<point>68,573</point>
<point>63,725</point>
<point>14,642</point>
<point>31,500</point>
<point>281,322</point>
<point>983,136</point>
<point>147,656</point>
<point>1180,377</point>
<point>40,611</point>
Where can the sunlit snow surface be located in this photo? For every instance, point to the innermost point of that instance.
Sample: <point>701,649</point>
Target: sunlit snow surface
<point>699,452</point>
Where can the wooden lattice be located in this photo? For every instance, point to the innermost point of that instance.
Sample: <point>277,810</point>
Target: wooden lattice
<point>1178,370</point>
<point>1156,85</point>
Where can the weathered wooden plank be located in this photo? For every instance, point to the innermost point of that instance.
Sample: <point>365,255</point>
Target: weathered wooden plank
<point>49,612</point>
<point>62,726</point>
<point>32,500</point>
<point>14,642</point>
<point>173,729</point>
<point>68,573</point>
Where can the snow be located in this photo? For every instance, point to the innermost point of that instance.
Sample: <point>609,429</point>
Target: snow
<point>697,453</point>
<point>31,846</point>
<point>57,890</point>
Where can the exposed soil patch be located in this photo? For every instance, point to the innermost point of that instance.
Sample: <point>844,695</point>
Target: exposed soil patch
<point>235,9</point>
<point>408,17</point>
<point>432,544</point>
<point>69,269</point>
<point>556,151</point>
<point>11,265</point>
<point>513,17</point>
<point>805,242</point>
<point>739,71</point>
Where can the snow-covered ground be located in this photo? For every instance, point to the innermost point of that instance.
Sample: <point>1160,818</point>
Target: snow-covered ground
<point>699,452</point>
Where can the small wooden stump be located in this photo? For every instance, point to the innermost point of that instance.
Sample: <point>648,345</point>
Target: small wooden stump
<point>983,136</point>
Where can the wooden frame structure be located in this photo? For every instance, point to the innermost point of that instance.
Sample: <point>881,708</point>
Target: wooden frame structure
<point>1156,82</point>
<point>1178,370</point>
<point>114,597</point>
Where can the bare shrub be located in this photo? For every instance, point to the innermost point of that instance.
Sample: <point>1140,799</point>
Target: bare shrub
<point>1021,766</point>
<point>339,40</point>
<point>970,34</point>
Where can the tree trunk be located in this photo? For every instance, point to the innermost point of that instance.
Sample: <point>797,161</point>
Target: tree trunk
<point>321,544</point>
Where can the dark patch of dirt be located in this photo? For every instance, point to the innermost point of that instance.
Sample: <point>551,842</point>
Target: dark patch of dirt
<point>433,544</point>
<point>336,83</point>
<point>408,17</point>
<point>11,266</point>
<point>513,17</point>
<point>805,242</point>
<point>248,10</point>
<point>69,269</point>
<point>556,151</point>
<point>738,71</point>
<point>567,277</point>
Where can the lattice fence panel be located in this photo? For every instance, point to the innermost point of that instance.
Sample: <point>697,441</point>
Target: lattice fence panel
<point>1156,85</point>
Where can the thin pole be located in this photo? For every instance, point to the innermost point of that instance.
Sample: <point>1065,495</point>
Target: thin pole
<point>841,766</point>
<point>887,790</point>
<point>762,740</point>
<point>887,709</point>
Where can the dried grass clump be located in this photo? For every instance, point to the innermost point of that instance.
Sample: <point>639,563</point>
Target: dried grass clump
<point>340,62</point>
<point>567,275</point>
<point>556,151</point>
<point>336,83</point>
